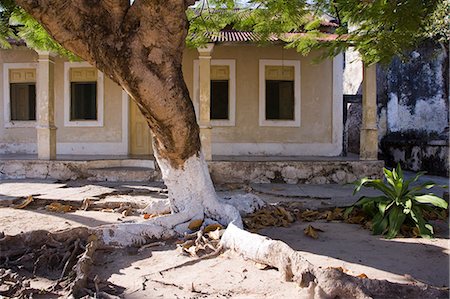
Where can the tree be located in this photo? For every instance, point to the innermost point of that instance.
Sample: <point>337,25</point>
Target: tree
<point>139,45</point>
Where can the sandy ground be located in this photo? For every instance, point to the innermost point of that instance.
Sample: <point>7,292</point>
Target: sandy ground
<point>228,275</point>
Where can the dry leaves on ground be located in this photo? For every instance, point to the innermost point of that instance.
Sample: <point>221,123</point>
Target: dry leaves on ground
<point>25,203</point>
<point>59,208</point>
<point>312,231</point>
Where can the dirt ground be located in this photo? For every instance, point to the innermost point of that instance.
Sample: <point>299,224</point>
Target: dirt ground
<point>140,273</point>
<point>229,276</point>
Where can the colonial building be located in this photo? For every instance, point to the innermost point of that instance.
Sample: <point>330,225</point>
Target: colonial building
<point>254,104</point>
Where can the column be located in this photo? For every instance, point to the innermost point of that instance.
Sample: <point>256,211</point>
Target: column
<point>205,98</point>
<point>369,131</point>
<point>45,107</point>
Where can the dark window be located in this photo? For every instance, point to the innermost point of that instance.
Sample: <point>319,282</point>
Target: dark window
<point>279,100</point>
<point>23,101</point>
<point>83,100</point>
<point>219,99</point>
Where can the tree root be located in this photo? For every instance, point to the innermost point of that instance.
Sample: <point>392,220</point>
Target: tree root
<point>64,256</point>
<point>317,282</point>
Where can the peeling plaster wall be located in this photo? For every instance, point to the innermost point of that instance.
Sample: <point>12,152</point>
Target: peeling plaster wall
<point>413,109</point>
<point>417,91</point>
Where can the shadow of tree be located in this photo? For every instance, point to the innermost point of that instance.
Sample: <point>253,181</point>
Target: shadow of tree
<point>418,258</point>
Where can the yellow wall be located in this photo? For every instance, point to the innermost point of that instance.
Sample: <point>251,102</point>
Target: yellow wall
<point>110,132</point>
<point>14,135</point>
<point>112,115</point>
<point>316,97</point>
<point>316,101</point>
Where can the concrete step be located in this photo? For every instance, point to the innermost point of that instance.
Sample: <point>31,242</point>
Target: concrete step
<point>122,174</point>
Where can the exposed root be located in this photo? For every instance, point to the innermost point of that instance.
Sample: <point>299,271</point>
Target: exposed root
<point>317,282</point>
<point>65,257</point>
<point>82,270</point>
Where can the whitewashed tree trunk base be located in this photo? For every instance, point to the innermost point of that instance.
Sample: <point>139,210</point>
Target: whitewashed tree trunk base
<point>317,282</point>
<point>192,197</point>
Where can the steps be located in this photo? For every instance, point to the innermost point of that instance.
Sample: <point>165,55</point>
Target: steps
<point>122,174</point>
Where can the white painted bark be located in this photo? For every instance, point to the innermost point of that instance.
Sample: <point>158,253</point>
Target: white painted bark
<point>191,191</point>
<point>192,196</point>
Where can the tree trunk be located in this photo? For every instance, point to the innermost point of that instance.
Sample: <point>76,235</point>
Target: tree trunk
<point>140,46</point>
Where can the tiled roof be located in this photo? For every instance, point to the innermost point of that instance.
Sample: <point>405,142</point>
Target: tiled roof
<point>232,36</point>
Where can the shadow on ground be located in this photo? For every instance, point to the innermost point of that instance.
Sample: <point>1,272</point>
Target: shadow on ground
<point>352,247</point>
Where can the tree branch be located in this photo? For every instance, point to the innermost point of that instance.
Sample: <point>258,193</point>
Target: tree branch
<point>79,25</point>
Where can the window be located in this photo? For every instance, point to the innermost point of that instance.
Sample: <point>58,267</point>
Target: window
<point>83,94</point>
<point>280,99</point>
<point>22,94</point>
<point>222,92</point>
<point>219,92</point>
<point>279,93</point>
<point>19,93</point>
<point>83,103</point>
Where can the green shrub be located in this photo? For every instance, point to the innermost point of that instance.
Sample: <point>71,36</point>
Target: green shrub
<point>399,203</point>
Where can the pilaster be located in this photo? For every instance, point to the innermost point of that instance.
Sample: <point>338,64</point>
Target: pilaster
<point>45,107</point>
<point>205,98</point>
<point>369,131</point>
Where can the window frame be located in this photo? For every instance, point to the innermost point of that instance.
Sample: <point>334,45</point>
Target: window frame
<point>67,97</point>
<point>263,122</point>
<point>231,63</point>
<point>8,123</point>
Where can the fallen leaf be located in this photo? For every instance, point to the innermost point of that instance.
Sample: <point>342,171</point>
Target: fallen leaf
<point>309,215</point>
<point>311,231</point>
<point>59,207</point>
<point>25,203</point>
<point>362,275</point>
<point>212,227</point>
<point>195,224</point>
<point>355,220</point>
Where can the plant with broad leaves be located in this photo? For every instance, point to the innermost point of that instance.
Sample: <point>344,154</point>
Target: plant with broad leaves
<point>401,202</point>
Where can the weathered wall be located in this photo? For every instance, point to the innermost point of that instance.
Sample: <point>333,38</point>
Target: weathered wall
<point>413,110</point>
<point>70,139</point>
<point>417,91</point>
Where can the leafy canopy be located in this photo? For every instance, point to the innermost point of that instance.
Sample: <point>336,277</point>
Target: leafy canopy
<point>378,29</point>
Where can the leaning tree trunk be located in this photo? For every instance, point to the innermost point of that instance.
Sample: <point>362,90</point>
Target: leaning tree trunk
<point>140,46</point>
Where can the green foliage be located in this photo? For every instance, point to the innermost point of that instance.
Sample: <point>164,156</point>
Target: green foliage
<point>16,24</point>
<point>35,35</point>
<point>378,29</point>
<point>400,202</point>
